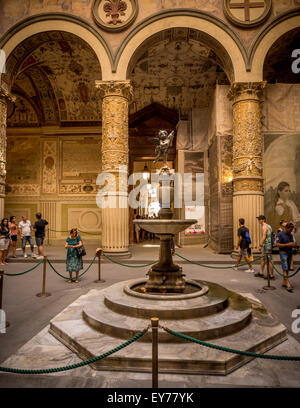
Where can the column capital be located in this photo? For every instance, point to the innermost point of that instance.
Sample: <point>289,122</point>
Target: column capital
<point>241,91</point>
<point>115,88</point>
<point>6,96</point>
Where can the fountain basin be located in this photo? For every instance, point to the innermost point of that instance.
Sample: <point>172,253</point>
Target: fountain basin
<point>165,227</point>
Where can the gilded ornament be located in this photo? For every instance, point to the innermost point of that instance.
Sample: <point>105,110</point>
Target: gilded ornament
<point>115,15</point>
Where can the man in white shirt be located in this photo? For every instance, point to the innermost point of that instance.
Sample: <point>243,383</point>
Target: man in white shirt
<point>25,232</point>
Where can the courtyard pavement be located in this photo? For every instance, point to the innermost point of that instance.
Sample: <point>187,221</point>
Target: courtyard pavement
<point>28,315</point>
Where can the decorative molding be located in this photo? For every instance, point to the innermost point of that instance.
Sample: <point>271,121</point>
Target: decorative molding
<point>37,18</point>
<point>78,188</point>
<point>49,166</point>
<point>265,30</point>
<point>247,138</point>
<point>6,96</point>
<point>115,15</point>
<point>23,190</point>
<point>185,12</point>
<point>115,88</point>
<point>246,90</point>
<point>231,10</point>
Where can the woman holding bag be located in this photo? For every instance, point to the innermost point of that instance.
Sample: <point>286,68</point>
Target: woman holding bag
<point>74,260</point>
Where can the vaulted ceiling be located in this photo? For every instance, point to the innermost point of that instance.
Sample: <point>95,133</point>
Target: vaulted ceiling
<point>53,76</point>
<point>177,68</point>
<point>278,62</point>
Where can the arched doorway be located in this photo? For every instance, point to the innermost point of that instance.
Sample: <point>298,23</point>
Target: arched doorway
<point>282,131</point>
<point>179,70</point>
<point>53,131</point>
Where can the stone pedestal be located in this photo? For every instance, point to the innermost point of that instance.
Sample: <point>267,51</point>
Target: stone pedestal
<point>248,195</point>
<point>115,94</point>
<point>4,98</point>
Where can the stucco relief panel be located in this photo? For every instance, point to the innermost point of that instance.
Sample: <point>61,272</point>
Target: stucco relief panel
<point>49,167</point>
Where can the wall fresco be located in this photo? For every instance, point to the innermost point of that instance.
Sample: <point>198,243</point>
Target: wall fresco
<point>282,179</point>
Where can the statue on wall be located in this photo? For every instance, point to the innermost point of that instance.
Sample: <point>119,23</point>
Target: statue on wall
<point>164,142</point>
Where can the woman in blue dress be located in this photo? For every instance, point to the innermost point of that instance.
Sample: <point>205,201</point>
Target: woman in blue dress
<point>74,261</point>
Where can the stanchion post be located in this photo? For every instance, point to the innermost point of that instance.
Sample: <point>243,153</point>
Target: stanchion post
<point>44,293</point>
<point>1,291</point>
<point>268,287</point>
<point>154,325</point>
<point>99,252</point>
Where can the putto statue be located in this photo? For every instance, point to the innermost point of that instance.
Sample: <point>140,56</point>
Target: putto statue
<point>164,141</point>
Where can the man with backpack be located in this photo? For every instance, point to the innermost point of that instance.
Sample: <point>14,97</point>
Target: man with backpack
<point>244,245</point>
<point>266,248</point>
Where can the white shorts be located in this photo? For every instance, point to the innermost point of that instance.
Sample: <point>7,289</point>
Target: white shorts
<point>4,243</point>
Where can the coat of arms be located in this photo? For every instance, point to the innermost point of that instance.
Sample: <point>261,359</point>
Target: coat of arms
<point>247,13</point>
<point>115,15</point>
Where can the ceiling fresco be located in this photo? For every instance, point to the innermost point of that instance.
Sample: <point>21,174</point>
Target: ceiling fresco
<point>178,70</point>
<point>278,62</point>
<point>56,73</point>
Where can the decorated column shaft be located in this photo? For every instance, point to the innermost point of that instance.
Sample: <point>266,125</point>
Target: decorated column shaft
<point>248,190</point>
<point>115,228</point>
<point>5,96</point>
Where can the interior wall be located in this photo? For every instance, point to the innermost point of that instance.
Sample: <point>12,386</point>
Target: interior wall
<point>54,171</point>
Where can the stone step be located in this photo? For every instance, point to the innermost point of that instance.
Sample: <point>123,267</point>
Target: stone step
<point>139,306</point>
<point>106,321</point>
<point>185,358</point>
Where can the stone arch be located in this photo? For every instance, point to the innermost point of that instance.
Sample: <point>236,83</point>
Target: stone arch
<point>52,22</point>
<point>197,20</point>
<point>267,38</point>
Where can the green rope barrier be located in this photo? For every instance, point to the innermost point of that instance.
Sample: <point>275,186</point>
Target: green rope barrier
<point>68,232</point>
<point>230,350</point>
<point>22,273</point>
<point>219,267</point>
<point>71,367</point>
<point>65,277</point>
<point>128,266</point>
<point>281,274</point>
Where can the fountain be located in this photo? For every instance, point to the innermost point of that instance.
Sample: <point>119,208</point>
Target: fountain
<point>102,319</point>
<point>165,276</point>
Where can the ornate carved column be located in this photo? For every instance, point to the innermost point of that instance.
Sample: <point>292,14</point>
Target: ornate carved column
<point>116,95</point>
<point>248,190</point>
<point>5,96</point>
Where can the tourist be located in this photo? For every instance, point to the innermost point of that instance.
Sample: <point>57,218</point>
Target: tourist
<point>13,228</point>
<point>4,240</point>
<point>282,226</point>
<point>266,248</point>
<point>25,233</point>
<point>285,242</point>
<point>74,261</point>
<point>39,229</point>
<point>243,245</point>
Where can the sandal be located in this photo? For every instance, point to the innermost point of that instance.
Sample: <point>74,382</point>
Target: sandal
<point>76,281</point>
<point>69,281</point>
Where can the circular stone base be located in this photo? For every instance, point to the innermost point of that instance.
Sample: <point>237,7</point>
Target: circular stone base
<point>210,312</point>
<point>193,289</point>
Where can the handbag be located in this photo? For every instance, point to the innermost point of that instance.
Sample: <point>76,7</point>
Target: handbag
<point>81,250</point>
